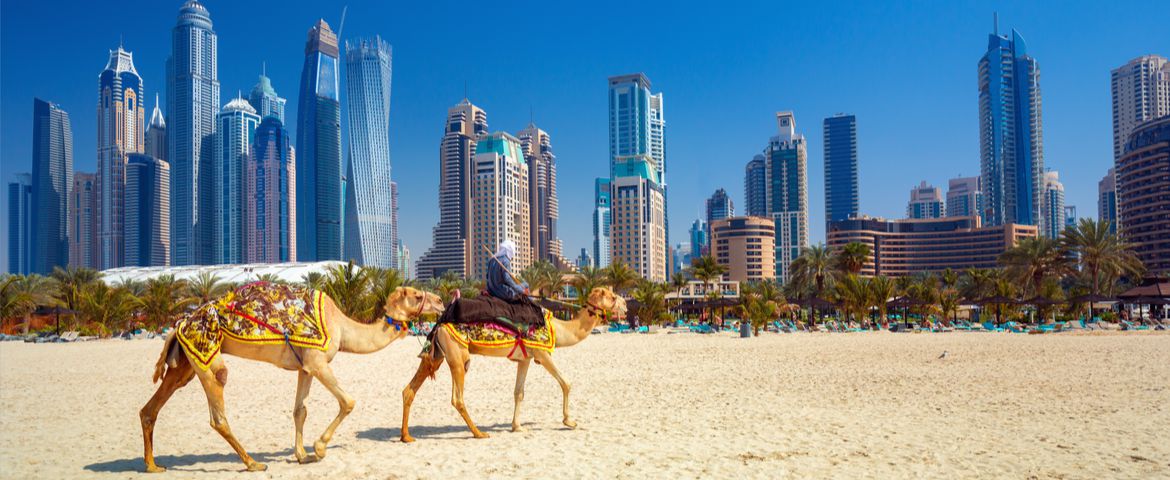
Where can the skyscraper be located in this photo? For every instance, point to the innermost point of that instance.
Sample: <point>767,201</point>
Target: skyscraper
<point>1141,92</point>
<point>1143,183</point>
<point>499,202</point>
<point>1053,205</point>
<point>270,219</point>
<point>1011,146</point>
<point>369,225</point>
<point>120,123</point>
<point>148,211</point>
<point>466,124</point>
<point>265,100</point>
<point>20,216</point>
<point>964,197</point>
<point>542,192</point>
<point>584,260</point>
<point>638,226</point>
<point>192,102</point>
<point>1107,200</point>
<point>52,178</point>
<point>755,187</point>
<point>83,232</point>
<point>156,135</point>
<point>786,172</point>
<point>319,181</point>
<point>700,239</point>
<point>719,206</point>
<point>602,218</point>
<point>925,202</point>
<point>394,240</point>
<point>637,128</point>
<point>1070,216</point>
<point>842,198</point>
<point>235,129</point>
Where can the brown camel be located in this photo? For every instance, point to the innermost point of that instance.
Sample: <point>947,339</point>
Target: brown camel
<point>602,305</point>
<point>176,368</point>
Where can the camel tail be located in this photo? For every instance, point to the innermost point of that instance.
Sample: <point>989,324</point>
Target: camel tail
<point>160,367</point>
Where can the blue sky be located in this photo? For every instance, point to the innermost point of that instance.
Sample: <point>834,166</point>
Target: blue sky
<point>906,69</point>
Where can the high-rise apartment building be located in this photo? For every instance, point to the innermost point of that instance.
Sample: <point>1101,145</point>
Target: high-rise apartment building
<point>1011,142</point>
<point>786,171</point>
<point>499,203</point>
<point>1107,200</point>
<point>52,178</point>
<point>584,260</point>
<point>1070,216</point>
<point>235,130</point>
<point>319,174</point>
<point>192,103</point>
<point>394,231</point>
<point>369,226</point>
<point>542,192</point>
<point>121,117</point>
<point>964,197</point>
<point>148,211</point>
<point>700,239</point>
<point>746,247</point>
<point>270,202</point>
<point>1143,194</point>
<point>466,125</point>
<point>638,218</point>
<point>602,219</point>
<point>842,197</point>
<point>265,100</point>
<point>637,129</point>
<point>719,206</point>
<point>1141,92</point>
<point>1053,205</point>
<point>83,231</point>
<point>155,143</point>
<point>925,202</point>
<point>755,187</point>
<point>20,216</point>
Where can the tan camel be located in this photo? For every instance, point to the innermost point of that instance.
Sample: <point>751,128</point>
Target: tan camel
<point>175,369</point>
<point>603,304</point>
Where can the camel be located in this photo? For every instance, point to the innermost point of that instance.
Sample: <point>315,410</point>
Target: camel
<point>176,369</point>
<point>602,305</point>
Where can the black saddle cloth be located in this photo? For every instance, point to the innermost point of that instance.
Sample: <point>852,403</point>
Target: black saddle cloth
<point>489,309</point>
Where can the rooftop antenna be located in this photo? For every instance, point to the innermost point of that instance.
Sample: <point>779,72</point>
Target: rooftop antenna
<point>120,44</point>
<point>263,68</point>
<point>995,17</point>
<point>465,89</point>
<point>531,115</point>
<point>342,25</point>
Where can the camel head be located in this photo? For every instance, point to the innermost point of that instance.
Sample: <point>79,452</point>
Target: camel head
<point>408,303</point>
<point>605,298</point>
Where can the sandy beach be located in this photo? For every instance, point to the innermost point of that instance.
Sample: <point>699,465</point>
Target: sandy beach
<point>865,405</point>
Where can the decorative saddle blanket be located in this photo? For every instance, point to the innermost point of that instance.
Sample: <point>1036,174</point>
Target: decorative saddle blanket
<point>490,335</point>
<point>261,313</point>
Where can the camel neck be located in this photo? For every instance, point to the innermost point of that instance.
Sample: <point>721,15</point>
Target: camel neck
<point>359,337</point>
<point>572,332</point>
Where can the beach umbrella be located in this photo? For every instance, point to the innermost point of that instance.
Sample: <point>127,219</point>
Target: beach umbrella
<point>1091,299</point>
<point>999,301</point>
<point>56,311</point>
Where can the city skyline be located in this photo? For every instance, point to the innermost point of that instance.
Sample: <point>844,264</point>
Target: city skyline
<point>1073,77</point>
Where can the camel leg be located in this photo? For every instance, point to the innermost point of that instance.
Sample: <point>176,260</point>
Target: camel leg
<point>458,368</point>
<point>174,379</point>
<point>426,368</point>
<point>213,380</point>
<point>304,381</point>
<point>346,403</point>
<point>545,359</point>
<point>521,375</point>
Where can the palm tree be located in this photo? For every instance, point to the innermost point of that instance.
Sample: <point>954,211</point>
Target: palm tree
<point>950,278</point>
<point>1101,255</point>
<point>586,279</point>
<point>205,288</point>
<point>107,307</point>
<point>620,276</point>
<point>977,284</point>
<point>347,284</point>
<point>812,270</point>
<point>273,278</point>
<point>759,303</point>
<point>1034,260</point>
<point>21,295</point>
<point>707,270</point>
<point>852,257</point>
<point>313,280</point>
<point>948,302</point>
<point>383,282</point>
<point>163,300</point>
<point>543,278</point>
<point>881,289</point>
<point>71,282</point>
<point>855,296</point>
<point>651,298</point>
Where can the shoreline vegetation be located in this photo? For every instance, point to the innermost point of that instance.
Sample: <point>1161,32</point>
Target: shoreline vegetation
<point>1039,282</point>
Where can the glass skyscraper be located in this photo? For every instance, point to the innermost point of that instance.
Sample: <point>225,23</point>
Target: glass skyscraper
<point>19,228</point>
<point>192,103</point>
<point>964,197</point>
<point>121,118</point>
<point>52,179</point>
<point>265,100</point>
<point>637,133</point>
<point>842,199</point>
<point>719,206</point>
<point>269,196</point>
<point>148,211</point>
<point>787,191</point>
<point>319,181</point>
<point>369,224</point>
<point>1053,205</point>
<point>755,187</point>
<point>1107,200</point>
<point>1011,150</point>
<point>601,221</point>
<point>235,129</point>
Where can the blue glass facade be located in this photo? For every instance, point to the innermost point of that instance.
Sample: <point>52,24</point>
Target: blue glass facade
<point>265,100</point>
<point>235,129</point>
<point>842,198</point>
<point>601,221</point>
<point>319,180</point>
<point>148,183</point>
<point>369,224</point>
<point>52,178</point>
<point>755,187</point>
<point>19,229</point>
<point>270,206</point>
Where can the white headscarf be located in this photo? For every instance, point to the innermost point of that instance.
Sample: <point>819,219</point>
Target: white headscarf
<point>507,249</point>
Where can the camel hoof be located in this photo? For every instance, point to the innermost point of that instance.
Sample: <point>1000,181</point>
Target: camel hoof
<point>480,435</point>
<point>257,467</point>
<point>306,459</point>
<point>319,449</point>
<point>570,424</point>
<point>518,429</point>
<point>155,469</point>
<point>407,439</point>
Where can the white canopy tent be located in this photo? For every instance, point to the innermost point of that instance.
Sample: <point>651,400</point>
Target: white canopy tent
<point>290,272</point>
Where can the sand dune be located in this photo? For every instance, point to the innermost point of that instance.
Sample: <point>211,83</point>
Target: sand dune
<point>870,405</point>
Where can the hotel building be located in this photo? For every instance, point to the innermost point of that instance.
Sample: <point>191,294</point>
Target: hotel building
<point>746,246</point>
<point>1143,194</point>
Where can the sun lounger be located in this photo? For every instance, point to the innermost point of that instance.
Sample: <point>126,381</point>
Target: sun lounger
<point>70,336</point>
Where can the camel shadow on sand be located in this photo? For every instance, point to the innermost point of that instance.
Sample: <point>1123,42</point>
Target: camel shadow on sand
<point>135,465</point>
<point>382,434</point>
